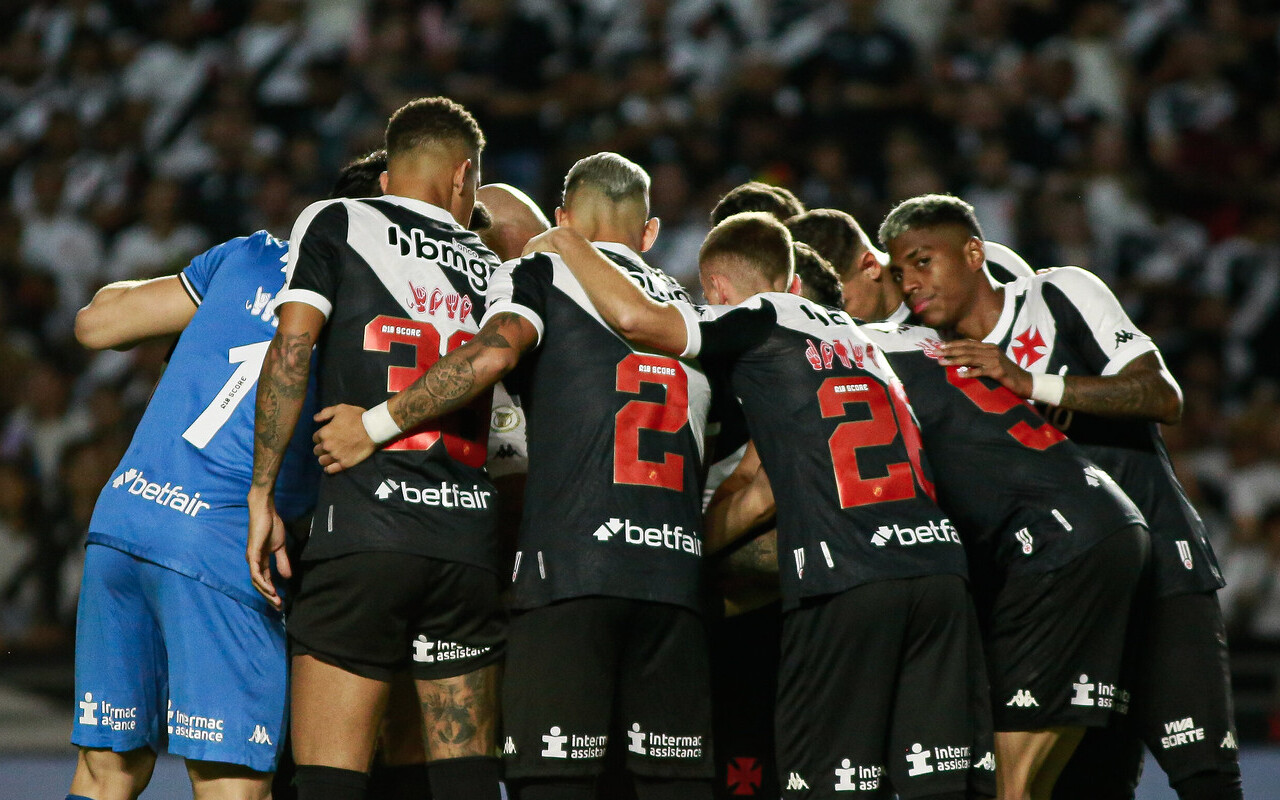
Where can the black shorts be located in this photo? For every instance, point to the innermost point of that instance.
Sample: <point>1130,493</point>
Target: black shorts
<point>373,614</point>
<point>580,669</point>
<point>1182,707</point>
<point>744,683</point>
<point>1056,641</point>
<point>882,688</point>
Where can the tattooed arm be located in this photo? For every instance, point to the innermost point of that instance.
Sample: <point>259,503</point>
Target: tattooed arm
<point>1143,389</point>
<point>450,384</point>
<point>282,388</point>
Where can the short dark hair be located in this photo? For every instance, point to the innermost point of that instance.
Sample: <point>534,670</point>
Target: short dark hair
<point>757,196</point>
<point>929,211</point>
<point>360,177</point>
<point>432,120</point>
<point>836,236</point>
<point>481,218</point>
<point>753,238</point>
<point>616,177</point>
<point>818,280</point>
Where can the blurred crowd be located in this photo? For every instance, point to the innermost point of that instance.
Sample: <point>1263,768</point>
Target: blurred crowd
<point>1137,138</point>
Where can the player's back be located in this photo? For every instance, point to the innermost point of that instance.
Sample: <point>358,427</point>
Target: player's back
<point>837,438</point>
<point>1011,481</point>
<point>615,445</point>
<point>401,284</point>
<point>178,496</point>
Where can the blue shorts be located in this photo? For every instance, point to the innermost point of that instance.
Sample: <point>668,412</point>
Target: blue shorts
<point>164,659</point>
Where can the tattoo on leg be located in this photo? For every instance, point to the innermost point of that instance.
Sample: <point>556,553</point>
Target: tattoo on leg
<point>460,713</point>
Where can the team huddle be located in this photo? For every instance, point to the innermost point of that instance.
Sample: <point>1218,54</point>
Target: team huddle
<point>865,523</point>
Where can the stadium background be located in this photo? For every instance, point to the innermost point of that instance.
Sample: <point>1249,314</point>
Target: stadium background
<point>1138,138</point>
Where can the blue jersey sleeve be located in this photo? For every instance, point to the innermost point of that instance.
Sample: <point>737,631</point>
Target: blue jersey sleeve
<point>197,275</point>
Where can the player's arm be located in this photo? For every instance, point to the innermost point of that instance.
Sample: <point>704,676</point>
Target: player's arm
<point>624,306</point>
<point>124,313</point>
<point>742,504</point>
<point>282,389</point>
<point>351,434</point>
<point>1142,389</point>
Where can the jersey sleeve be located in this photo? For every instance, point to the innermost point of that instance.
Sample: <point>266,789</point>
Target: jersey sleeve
<point>520,286</point>
<point>1004,264</point>
<point>1115,340</point>
<point>197,275</point>
<point>313,270</point>
<point>508,437</point>
<point>724,332</point>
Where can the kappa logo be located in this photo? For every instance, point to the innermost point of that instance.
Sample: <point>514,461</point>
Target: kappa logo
<point>510,747</point>
<point>1125,336</point>
<point>1030,347</point>
<point>744,776</point>
<point>1024,536</point>
<point>1229,741</point>
<point>506,451</point>
<point>795,783</point>
<point>1023,699</point>
<point>918,758</point>
<point>987,762</point>
<point>1083,692</point>
<point>260,735</point>
<point>446,253</point>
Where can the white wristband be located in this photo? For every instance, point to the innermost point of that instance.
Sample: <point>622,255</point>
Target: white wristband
<point>1048,389</point>
<point>379,424</point>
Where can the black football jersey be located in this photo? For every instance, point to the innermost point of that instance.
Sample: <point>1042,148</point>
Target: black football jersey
<point>400,284</point>
<point>838,440</point>
<point>1067,322</point>
<point>613,499</point>
<point>1013,484</point>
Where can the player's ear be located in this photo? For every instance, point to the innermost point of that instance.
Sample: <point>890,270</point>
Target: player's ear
<point>562,217</point>
<point>975,253</point>
<point>650,234</point>
<point>382,181</point>
<point>795,286</point>
<point>871,265</point>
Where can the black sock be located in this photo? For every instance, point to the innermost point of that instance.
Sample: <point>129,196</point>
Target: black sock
<point>399,782</point>
<point>329,783</point>
<point>557,789</point>
<point>1210,786</point>
<point>670,789</point>
<point>470,778</point>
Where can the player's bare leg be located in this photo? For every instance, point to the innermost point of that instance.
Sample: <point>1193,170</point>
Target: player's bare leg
<point>106,775</point>
<point>400,766</point>
<point>1028,762</point>
<point>335,715</point>
<point>215,780</point>
<point>460,716</point>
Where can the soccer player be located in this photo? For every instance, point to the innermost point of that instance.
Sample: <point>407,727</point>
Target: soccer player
<point>515,219</point>
<point>777,201</point>
<point>881,676</point>
<point>607,575</point>
<point>1061,339</point>
<point>870,294</point>
<point>170,630</point>
<point>402,565</point>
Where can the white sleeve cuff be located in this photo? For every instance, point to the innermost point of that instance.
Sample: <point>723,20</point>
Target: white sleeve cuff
<point>693,333</point>
<point>308,297</point>
<point>509,307</point>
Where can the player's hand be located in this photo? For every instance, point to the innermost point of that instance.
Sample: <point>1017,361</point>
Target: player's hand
<point>266,536</point>
<point>342,442</point>
<point>982,359</point>
<point>542,243</point>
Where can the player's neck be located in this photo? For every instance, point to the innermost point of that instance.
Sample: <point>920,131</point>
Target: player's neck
<point>981,318</point>
<point>418,186</point>
<point>604,232</point>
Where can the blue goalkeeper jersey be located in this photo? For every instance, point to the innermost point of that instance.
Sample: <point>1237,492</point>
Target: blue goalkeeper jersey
<point>178,497</point>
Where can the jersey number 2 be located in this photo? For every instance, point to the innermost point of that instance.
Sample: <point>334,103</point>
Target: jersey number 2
<point>881,428</point>
<point>642,415</point>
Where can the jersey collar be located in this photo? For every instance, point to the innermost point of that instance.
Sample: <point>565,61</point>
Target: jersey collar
<point>620,249</point>
<point>420,207</point>
<point>1006,316</point>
